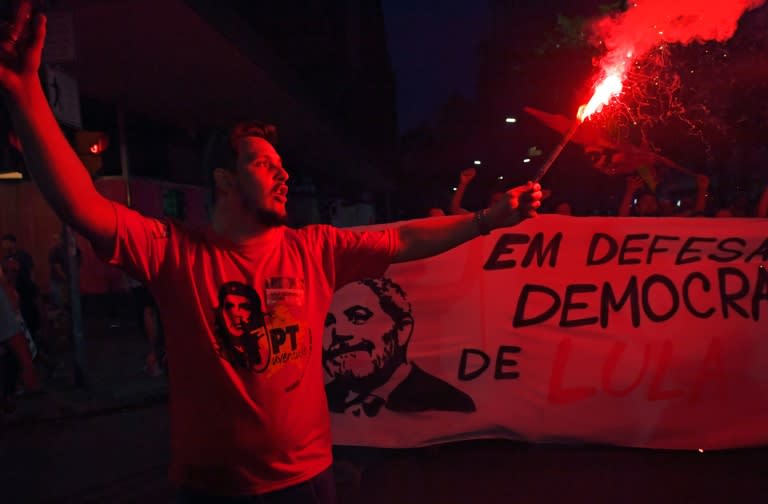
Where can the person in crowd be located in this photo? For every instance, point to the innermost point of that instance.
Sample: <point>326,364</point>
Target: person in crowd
<point>726,213</point>
<point>465,178</point>
<point>58,262</point>
<point>562,208</point>
<point>557,206</point>
<point>20,268</point>
<point>739,204</point>
<point>10,248</point>
<point>29,293</point>
<point>699,205</point>
<point>148,320</point>
<point>9,362</point>
<point>762,204</point>
<point>237,432</point>
<point>17,349</point>
<point>433,206</point>
<point>648,204</point>
<point>740,208</point>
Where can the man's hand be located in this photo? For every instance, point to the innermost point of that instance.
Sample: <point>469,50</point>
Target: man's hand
<point>518,204</point>
<point>466,176</point>
<point>16,80</point>
<point>58,171</point>
<point>428,237</point>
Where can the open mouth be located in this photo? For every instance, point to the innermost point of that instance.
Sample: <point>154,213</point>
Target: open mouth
<point>280,192</point>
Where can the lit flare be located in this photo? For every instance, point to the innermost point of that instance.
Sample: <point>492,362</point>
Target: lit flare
<point>607,89</point>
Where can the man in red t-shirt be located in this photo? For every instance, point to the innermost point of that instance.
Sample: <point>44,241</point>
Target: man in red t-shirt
<point>243,301</point>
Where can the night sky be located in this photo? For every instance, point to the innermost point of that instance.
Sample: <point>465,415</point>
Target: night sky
<point>433,47</point>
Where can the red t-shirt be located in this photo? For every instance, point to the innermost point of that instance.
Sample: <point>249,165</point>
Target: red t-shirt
<point>244,326</point>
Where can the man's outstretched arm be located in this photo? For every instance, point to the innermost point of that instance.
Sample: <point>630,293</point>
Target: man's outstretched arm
<point>57,170</point>
<point>429,237</point>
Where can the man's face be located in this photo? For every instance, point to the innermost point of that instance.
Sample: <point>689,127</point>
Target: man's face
<point>261,179</point>
<point>724,212</point>
<point>11,268</point>
<point>563,208</point>
<point>237,312</point>
<point>8,246</point>
<point>360,339</point>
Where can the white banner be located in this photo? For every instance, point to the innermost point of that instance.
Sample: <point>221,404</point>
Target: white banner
<point>635,332</point>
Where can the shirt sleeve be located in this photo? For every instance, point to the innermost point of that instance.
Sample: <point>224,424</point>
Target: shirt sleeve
<point>359,254</point>
<point>140,245</point>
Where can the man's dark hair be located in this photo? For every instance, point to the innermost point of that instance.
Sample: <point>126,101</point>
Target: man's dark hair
<point>221,149</point>
<point>8,237</point>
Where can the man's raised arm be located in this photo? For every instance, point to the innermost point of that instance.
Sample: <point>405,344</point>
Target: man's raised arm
<point>57,170</point>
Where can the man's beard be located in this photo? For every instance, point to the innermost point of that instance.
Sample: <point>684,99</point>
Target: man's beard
<point>380,375</point>
<point>365,384</point>
<point>270,218</point>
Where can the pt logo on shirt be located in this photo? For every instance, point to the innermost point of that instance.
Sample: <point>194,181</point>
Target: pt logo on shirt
<point>253,338</point>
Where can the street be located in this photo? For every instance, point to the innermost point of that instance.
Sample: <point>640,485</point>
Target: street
<point>121,457</point>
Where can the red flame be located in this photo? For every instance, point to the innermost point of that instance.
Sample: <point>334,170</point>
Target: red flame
<point>609,87</point>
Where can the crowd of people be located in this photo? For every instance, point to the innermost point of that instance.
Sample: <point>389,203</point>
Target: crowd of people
<point>35,325</point>
<point>641,198</point>
<point>20,324</point>
<point>31,319</point>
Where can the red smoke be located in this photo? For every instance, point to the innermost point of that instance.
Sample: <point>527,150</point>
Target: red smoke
<point>648,23</point>
<point>651,24</point>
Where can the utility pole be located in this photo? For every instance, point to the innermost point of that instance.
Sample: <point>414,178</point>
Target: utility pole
<point>75,305</point>
<point>64,97</point>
